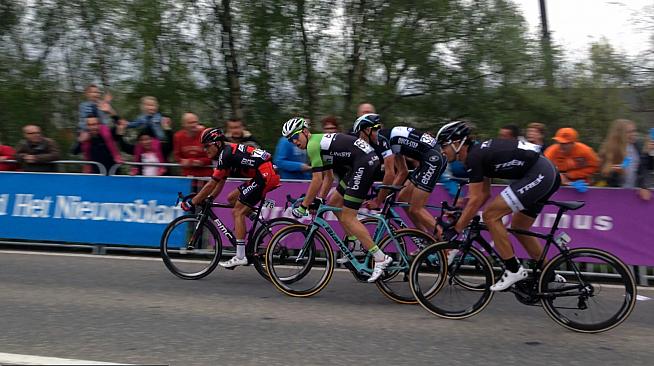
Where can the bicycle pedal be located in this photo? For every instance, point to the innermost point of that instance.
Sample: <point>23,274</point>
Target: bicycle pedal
<point>230,268</point>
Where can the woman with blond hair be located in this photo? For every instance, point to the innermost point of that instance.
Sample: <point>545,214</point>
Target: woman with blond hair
<point>623,162</point>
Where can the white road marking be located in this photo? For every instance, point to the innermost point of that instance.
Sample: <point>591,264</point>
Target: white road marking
<point>16,359</point>
<point>642,298</point>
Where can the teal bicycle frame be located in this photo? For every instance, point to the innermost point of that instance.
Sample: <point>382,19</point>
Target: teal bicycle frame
<point>359,267</point>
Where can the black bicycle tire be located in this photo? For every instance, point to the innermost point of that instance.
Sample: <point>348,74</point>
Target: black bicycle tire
<point>423,300</point>
<point>280,284</point>
<point>258,259</point>
<point>163,248</point>
<point>628,281</point>
<point>382,283</point>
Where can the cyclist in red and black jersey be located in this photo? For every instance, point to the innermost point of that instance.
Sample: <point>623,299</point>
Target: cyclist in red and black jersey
<point>246,161</point>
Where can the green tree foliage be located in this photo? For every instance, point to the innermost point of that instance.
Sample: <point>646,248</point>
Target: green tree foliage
<point>420,62</point>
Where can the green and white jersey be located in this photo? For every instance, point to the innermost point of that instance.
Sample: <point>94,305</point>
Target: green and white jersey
<point>337,151</point>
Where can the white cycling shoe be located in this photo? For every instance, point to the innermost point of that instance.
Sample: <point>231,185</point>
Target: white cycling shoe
<point>509,278</point>
<point>234,262</point>
<point>379,269</point>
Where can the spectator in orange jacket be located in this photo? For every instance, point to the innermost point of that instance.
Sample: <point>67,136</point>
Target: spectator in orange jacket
<point>574,160</point>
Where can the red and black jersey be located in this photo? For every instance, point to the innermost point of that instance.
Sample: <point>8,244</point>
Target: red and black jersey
<point>244,161</point>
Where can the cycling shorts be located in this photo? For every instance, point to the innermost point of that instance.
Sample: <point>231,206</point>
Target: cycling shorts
<point>254,190</point>
<point>431,167</point>
<point>354,186</point>
<point>529,193</point>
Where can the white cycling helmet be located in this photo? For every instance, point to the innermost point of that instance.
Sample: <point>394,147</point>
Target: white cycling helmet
<point>365,121</point>
<point>293,125</point>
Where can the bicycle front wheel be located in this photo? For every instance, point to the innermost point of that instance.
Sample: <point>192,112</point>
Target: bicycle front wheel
<point>299,265</point>
<point>190,250</point>
<point>452,301</point>
<point>395,282</point>
<point>262,237</point>
<point>588,290</point>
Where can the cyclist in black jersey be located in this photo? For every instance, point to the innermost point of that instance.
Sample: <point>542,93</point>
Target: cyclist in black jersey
<point>393,146</point>
<point>354,160</point>
<point>535,180</point>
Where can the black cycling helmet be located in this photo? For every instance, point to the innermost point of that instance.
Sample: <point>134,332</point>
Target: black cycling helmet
<point>453,131</point>
<point>365,121</point>
<point>212,134</point>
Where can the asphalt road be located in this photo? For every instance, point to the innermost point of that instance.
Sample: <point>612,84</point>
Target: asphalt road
<point>132,310</point>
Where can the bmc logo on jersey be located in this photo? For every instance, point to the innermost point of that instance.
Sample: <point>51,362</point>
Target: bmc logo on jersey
<point>509,164</point>
<point>248,162</point>
<point>249,188</point>
<point>406,142</point>
<point>357,178</point>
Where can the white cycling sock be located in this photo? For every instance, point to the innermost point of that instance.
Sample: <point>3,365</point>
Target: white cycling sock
<point>240,249</point>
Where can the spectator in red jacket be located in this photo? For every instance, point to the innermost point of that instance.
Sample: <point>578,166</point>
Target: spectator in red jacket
<point>188,150</point>
<point>7,153</point>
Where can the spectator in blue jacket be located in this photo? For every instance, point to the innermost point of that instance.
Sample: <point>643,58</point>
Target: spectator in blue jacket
<point>291,162</point>
<point>150,119</point>
<point>95,106</point>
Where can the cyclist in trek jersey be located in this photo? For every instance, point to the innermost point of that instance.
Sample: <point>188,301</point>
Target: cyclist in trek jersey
<point>393,146</point>
<point>535,180</point>
<point>248,162</point>
<point>354,161</point>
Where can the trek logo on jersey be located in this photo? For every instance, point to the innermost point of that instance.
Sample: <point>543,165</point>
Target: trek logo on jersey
<point>406,142</point>
<point>357,178</point>
<point>509,164</point>
<point>531,185</point>
<point>341,154</point>
<point>248,162</point>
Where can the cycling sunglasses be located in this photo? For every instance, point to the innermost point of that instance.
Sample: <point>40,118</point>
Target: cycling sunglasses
<point>294,136</point>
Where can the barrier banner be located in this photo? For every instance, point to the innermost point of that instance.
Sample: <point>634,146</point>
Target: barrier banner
<point>613,219</point>
<point>127,210</point>
<point>81,208</point>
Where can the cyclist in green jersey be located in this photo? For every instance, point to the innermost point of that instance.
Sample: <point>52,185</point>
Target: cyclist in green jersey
<point>355,162</point>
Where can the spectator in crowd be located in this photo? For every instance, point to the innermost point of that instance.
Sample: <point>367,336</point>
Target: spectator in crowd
<point>96,105</point>
<point>365,108</point>
<point>624,161</point>
<point>574,160</point>
<point>509,132</point>
<point>291,161</point>
<point>151,119</point>
<point>97,144</point>
<point>147,149</point>
<point>188,150</point>
<point>330,125</point>
<point>36,152</point>
<point>536,135</point>
<point>236,133</point>
<point>7,153</point>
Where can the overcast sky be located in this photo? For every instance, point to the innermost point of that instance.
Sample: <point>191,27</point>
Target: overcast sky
<point>576,23</point>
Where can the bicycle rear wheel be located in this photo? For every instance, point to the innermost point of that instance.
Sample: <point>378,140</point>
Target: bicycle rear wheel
<point>394,284</point>
<point>262,237</point>
<point>190,250</point>
<point>452,301</point>
<point>599,292</point>
<point>298,265</point>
